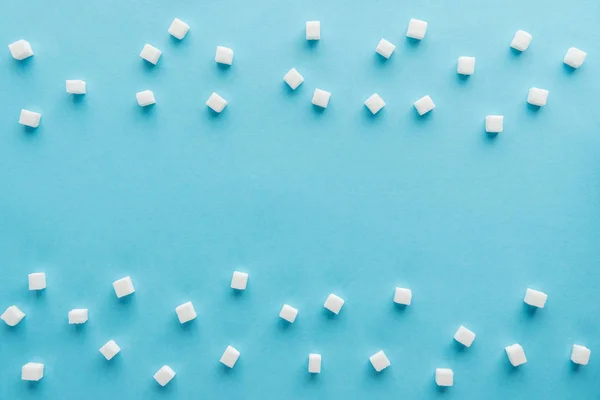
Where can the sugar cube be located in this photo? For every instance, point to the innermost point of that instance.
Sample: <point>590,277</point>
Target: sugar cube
<point>535,298</point>
<point>334,303</point>
<point>374,103</point>
<point>76,86</point>
<point>314,363</point>
<point>516,355</point>
<point>574,57</point>
<point>521,40</point>
<point>20,50</point>
<point>230,356</point>
<point>78,316</point>
<point>424,105</point>
<point>216,102</point>
<point>321,98</point>
<point>403,296</point>
<point>30,118</point>
<point>416,29</point>
<point>110,349</point>
<point>186,312</point>
<point>464,336</point>
<point>150,53</point>
<point>288,313</point>
<point>145,98</point>
<point>313,30</point>
<point>37,281</point>
<point>224,55</point>
<point>12,316</point>
<point>178,29</point>
<point>123,287</point>
<point>444,377</point>
<point>239,280</point>
<point>385,48</point>
<point>494,123</point>
<point>293,78</point>
<point>580,355</point>
<point>32,371</point>
<point>537,97</point>
<point>466,65</point>
<point>164,375</point>
<point>379,361</point>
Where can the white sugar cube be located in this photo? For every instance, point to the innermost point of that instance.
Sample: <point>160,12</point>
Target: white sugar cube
<point>313,30</point>
<point>314,363</point>
<point>575,57</point>
<point>494,123</point>
<point>32,371</point>
<point>374,103</point>
<point>150,53</point>
<point>444,377</point>
<point>239,280</point>
<point>164,375</point>
<point>216,102</point>
<point>75,86</point>
<point>288,313</point>
<point>178,29</point>
<point>224,55</point>
<point>20,50</point>
<point>78,316</point>
<point>230,356</point>
<point>186,312</point>
<point>385,48</point>
<point>123,287</point>
<point>403,296</point>
<point>416,29</point>
<point>293,78</point>
<point>334,303</point>
<point>145,98</point>
<point>535,298</point>
<point>521,40</point>
<point>464,336</point>
<point>580,355</point>
<point>110,349</point>
<point>30,118</point>
<point>537,97</point>
<point>516,354</point>
<point>12,316</point>
<point>37,281</point>
<point>379,361</point>
<point>321,98</point>
<point>466,65</point>
<point>424,105</point>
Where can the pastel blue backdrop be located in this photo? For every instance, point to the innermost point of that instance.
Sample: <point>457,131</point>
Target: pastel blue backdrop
<point>307,202</point>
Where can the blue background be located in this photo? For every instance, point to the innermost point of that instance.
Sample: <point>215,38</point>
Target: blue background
<point>307,202</point>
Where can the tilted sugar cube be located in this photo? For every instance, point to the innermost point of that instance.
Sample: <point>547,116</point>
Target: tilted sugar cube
<point>494,123</point>
<point>416,29</point>
<point>379,361</point>
<point>580,355</point>
<point>230,356</point>
<point>186,312</point>
<point>535,298</point>
<point>216,102</point>
<point>521,40</point>
<point>574,57</point>
<point>516,354</point>
<point>314,363</point>
<point>424,105</point>
<point>178,29</point>
<point>145,98</point>
<point>37,281</point>
<point>224,55</point>
<point>78,316</point>
<point>444,377</point>
<point>30,118</point>
<point>374,103</point>
<point>293,78</point>
<point>321,98</point>
<point>464,336</point>
<point>537,97</point>
<point>76,86</point>
<point>334,303</point>
<point>164,375</point>
<point>123,287</point>
<point>313,30</point>
<point>288,313</point>
<point>12,316</point>
<point>239,280</point>
<point>385,48</point>
<point>110,349</point>
<point>403,296</point>
<point>150,53</point>
<point>32,371</point>
<point>466,65</point>
<point>20,50</point>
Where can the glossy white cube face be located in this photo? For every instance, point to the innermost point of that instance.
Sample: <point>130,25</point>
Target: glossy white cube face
<point>37,281</point>
<point>293,78</point>
<point>403,296</point>
<point>186,312</point>
<point>516,355</point>
<point>224,55</point>
<point>313,30</point>
<point>12,316</point>
<point>123,287</point>
<point>416,29</point>
<point>580,354</point>
<point>30,118</point>
<point>444,377</point>
<point>110,349</point>
<point>178,29</point>
<point>164,375</point>
<point>32,371</point>
<point>574,57</point>
<point>216,102</point>
<point>314,363</point>
<point>494,123</point>
<point>288,313</point>
<point>145,98</point>
<point>239,280</point>
<point>76,86</point>
<point>385,48</point>
<point>466,65</point>
<point>537,97</point>
<point>521,41</point>
<point>374,103</point>
<point>230,356</point>
<point>20,50</point>
<point>535,298</point>
<point>78,316</point>
<point>464,336</point>
<point>321,98</point>
<point>334,303</point>
<point>150,54</point>
<point>379,361</point>
<point>424,105</point>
